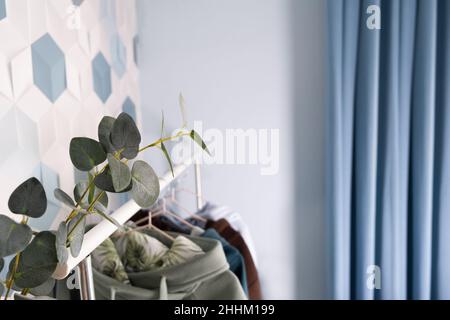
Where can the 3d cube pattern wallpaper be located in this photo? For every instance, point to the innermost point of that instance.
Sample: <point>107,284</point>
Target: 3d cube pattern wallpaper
<point>63,66</point>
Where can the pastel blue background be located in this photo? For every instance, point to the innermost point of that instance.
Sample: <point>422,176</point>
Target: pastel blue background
<point>388,149</point>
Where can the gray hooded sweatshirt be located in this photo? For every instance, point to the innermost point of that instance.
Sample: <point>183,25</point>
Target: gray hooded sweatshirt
<point>206,277</point>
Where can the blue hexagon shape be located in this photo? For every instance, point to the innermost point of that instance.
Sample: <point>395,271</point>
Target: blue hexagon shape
<point>118,55</point>
<point>2,9</point>
<point>77,2</point>
<point>102,77</point>
<point>49,67</point>
<point>129,108</point>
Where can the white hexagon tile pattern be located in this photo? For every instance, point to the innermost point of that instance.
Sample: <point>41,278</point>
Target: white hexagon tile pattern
<point>64,64</point>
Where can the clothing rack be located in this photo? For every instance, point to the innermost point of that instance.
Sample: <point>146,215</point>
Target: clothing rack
<point>105,229</point>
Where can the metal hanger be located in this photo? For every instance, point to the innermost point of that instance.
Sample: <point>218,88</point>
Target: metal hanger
<point>149,225</point>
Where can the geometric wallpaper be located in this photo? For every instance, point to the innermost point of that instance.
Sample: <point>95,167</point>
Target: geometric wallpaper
<point>64,64</point>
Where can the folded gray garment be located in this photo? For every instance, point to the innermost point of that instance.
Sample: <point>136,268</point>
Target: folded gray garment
<point>106,259</point>
<point>138,251</point>
<point>203,277</point>
<point>141,252</point>
<point>18,296</point>
<point>181,250</point>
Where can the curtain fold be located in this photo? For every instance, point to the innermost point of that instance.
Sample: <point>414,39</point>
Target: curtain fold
<point>388,148</point>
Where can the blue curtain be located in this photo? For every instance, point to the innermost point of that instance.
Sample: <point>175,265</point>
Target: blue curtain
<point>388,149</point>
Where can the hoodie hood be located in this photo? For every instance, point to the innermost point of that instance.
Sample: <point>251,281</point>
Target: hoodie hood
<point>173,282</point>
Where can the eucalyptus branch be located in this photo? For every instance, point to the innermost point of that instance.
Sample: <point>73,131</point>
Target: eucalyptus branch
<point>117,136</point>
<point>83,195</point>
<point>162,140</point>
<point>117,155</point>
<point>10,281</point>
<point>91,206</point>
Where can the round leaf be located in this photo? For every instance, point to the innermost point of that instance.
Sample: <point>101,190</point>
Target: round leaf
<point>121,175</point>
<point>104,133</point>
<point>29,199</point>
<point>61,240</point>
<point>14,237</point>
<point>79,190</point>
<point>169,160</point>
<point>145,190</point>
<point>86,153</point>
<point>2,289</point>
<point>198,140</point>
<point>44,289</point>
<point>37,262</point>
<point>77,236</point>
<point>104,182</point>
<point>64,198</point>
<point>125,136</point>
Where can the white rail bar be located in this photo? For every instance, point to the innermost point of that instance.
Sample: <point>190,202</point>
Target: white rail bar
<point>105,229</point>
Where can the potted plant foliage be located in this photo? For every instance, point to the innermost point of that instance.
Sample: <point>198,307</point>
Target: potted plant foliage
<point>110,167</point>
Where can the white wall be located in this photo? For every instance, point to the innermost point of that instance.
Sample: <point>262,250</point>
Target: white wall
<point>35,130</point>
<point>237,64</point>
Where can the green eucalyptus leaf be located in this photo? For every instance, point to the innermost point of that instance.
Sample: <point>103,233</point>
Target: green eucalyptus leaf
<point>64,198</point>
<point>121,175</point>
<point>79,190</point>
<point>166,154</point>
<point>196,137</point>
<point>14,237</point>
<point>86,153</point>
<point>78,225</point>
<point>163,146</point>
<point>2,264</point>
<point>40,291</point>
<point>44,289</point>
<point>2,289</point>
<point>37,262</point>
<point>29,199</point>
<point>145,190</point>
<point>183,110</point>
<point>125,136</point>
<point>61,240</point>
<point>104,133</point>
<point>104,182</point>
<point>107,217</point>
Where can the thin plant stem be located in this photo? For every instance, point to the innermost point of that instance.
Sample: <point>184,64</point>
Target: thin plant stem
<point>90,185</point>
<point>158,142</point>
<point>10,281</point>
<point>84,216</point>
<point>25,291</point>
